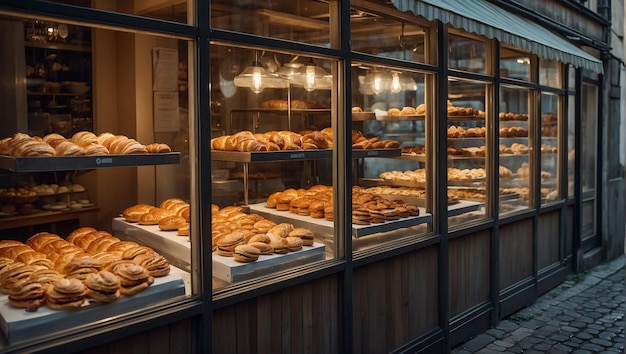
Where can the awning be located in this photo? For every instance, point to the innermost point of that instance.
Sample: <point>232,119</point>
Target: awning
<point>486,19</point>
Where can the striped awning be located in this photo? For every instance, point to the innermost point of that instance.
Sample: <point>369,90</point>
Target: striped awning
<point>486,19</point>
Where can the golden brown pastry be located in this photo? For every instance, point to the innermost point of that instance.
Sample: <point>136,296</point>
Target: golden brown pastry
<point>27,294</point>
<point>280,230</point>
<point>68,148</point>
<point>105,139</point>
<point>34,148</point>
<point>135,251</point>
<point>393,112</point>
<point>407,111</point>
<point>40,239</point>
<point>47,277</point>
<point>84,138</point>
<point>133,278</point>
<point>171,223</point>
<point>103,286</point>
<point>183,230</point>
<point>155,264</point>
<point>158,148</point>
<point>133,213</point>
<point>154,216</point>
<point>65,294</point>
<point>95,149</point>
<point>219,143</point>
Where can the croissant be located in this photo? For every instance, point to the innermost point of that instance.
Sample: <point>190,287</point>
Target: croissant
<point>84,138</point>
<point>96,149</point>
<point>219,143</point>
<point>251,145</point>
<point>106,139</point>
<point>52,136</point>
<point>158,148</point>
<point>316,138</point>
<point>68,148</point>
<point>34,148</point>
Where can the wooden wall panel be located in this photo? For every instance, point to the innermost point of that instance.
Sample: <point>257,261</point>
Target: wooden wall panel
<point>395,301</point>
<point>569,231</point>
<point>516,252</point>
<point>301,319</point>
<point>469,280</point>
<point>179,337</point>
<point>548,236</point>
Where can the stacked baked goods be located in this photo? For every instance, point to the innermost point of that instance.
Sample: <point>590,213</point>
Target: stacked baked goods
<point>316,202</point>
<point>245,237</point>
<point>419,175</point>
<point>413,150</point>
<point>512,132</point>
<point>524,172</point>
<point>513,116</point>
<point>64,273</point>
<point>80,144</point>
<point>172,214</point>
<point>460,132</point>
<point>295,104</point>
<point>308,139</point>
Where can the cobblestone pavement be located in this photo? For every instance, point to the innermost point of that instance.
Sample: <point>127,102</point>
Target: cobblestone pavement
<point>585,314</point>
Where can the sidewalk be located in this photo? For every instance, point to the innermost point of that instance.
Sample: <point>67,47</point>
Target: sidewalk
<point>585,314</point>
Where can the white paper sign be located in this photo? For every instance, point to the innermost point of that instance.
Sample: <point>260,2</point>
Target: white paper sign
<point>165,69</point>
<point>166,115</point>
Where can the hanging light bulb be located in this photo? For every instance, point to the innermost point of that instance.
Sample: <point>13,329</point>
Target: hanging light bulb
<point>396,86</point>
<point>312,77</point>
<point>378,81</point>
<point>257,83</point>
<point>258,79</point>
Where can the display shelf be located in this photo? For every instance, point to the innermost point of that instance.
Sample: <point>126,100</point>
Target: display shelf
<point>296,155</point>
<point>362,116</point>
<point>413,157</point>
<point>39,217</point>
<point>408,117</point>
<point>67,163</point>
<point>327,227</point>
<point>167,243</point>
<point>466,119</point>
<point>271,156</point>
<point>229,270</point>
<point>463,206</point>
<point>281,110</point>
<point>19,325</point>
<point>374,182</point>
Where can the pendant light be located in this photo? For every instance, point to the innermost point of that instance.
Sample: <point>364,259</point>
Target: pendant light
<point>312,77</point>
<point>378,81</point>
<point>257,79</point>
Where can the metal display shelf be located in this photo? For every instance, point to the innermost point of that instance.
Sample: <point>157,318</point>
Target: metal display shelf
<point>296,155</point>
<point>413,157</point>
<point>271,156</point>
<point>66,163</point>
<point>408,117</point>
<point>465,118</point>
<point>327,227</point>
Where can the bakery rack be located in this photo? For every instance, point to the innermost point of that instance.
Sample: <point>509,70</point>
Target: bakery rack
<point>68,163</point>
<point>290,155</point>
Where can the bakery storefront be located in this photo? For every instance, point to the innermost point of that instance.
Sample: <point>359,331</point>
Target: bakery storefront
<point>317,177</point>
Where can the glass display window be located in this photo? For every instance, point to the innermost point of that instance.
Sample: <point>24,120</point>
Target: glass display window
<point>549,147</point>
<point>303,21</point>
<point>467,54</point>
<point>176,11</point>
<point>515,147</point>
<point>589,141</point>
<point>387,37</point>
<point>116,191</point>
<point>571,145</point>
<point>550,73</point>
<point>515,64</point>
<point>467,151</point>
<point>272,173</point>
<point>390,146</point>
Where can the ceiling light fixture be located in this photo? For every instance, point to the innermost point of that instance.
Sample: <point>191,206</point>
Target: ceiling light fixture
<point>257,79</point>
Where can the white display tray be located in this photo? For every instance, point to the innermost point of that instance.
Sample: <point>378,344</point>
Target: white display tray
<point>326,227</point>
<point>227,269</point>
<point>177,249</point>
<point>19,325</point>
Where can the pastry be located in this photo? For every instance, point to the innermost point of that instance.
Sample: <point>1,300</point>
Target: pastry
<point>81,268</point>
<point>133,213</point>
<point>132,252</point>
<point>103,286</point>
<point>305,234</point>
<point>95,149</point>
<point>133,278</point>
<point>294,243</point>
<point>183,230</point>
<point>27,294</point>
<point>279,244</point>
<point>171,223</point>
<point>65,294</point>
<point>68,148</point>
<point>38,240</point>
<point>79,232</point>
<point>155,264</point>
<point>13,274</point>
<point>47,277</point>
<point>263,247</point>
<point>226,245</point>
<point>393,112</point>
<point>246,253</point>
<point>154,216</point>
<point>105,139</point>
<point>407,111</point>
<point>84,138</point>
<point>280,230</point>
<point>158,148</point>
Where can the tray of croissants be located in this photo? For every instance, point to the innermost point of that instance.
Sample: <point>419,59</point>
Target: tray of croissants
<point>87,266</point>
<point>305,144</point>
<point>22,151</point>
